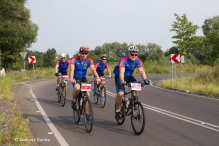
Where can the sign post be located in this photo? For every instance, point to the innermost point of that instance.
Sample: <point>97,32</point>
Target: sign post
<point>174,58</point>
<point>32,60</point>
<point>23,55</point>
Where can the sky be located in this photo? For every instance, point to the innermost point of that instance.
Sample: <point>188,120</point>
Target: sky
<point>68,24</point>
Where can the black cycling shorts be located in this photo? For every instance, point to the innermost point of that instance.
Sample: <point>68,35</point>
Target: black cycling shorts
<point>80,79</point>
<point>100,74</point>
<point>63,73</point>
<point>120,87</point>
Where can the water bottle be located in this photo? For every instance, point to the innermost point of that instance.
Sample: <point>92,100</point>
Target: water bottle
<point>127,102</point>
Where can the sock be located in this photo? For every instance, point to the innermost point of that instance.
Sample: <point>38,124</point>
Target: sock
<point>117,110</point>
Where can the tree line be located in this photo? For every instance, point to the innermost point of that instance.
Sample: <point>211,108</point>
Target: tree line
<point>18,32</point>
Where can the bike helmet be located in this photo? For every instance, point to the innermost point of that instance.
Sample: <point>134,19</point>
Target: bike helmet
<point>104,55</point>
<point>84,48</point>
<point>62,56</point>
<point>133,49</point>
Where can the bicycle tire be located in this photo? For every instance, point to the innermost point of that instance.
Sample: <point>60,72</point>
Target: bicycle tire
<point>122,115</point>
<point>88,122</point>
<point>96,98</point>
<point>102,103</point>
<point>63,94</point>
<point>76,112</point>
<point>138,116</point>
<point>58,93</point>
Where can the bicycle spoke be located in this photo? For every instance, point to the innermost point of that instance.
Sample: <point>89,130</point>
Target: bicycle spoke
<point>88,116</point>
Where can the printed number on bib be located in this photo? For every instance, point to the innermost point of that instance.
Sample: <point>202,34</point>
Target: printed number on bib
<point>103,79</point>
<point>136,86</point>
<point>85,87</point>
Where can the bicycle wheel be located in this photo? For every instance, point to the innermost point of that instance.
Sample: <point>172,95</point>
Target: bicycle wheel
<point>102,91</point>
<point>63,94</point>
<point>58,93</point>
<point>88,116</point>
<point>138,118</point>
<point>76,112</point>
<point>96,98</point>
<point>121,114</point>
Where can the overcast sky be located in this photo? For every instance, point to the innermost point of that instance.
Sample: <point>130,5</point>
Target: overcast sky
<point>68,24</point>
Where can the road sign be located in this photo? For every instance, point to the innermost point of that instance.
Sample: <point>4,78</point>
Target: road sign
<point>175,58</point>
<point>23,54</point>
<point>32,59</point>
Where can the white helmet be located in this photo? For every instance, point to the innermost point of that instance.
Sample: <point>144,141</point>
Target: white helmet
<point>104,55</point>
<point>62,56</point>
<point>133,49</point>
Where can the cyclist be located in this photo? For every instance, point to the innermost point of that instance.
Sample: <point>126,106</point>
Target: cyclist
<point>123,73</point>
<point>78,70</point>
<point>61,67</point>
<point>100,66</point>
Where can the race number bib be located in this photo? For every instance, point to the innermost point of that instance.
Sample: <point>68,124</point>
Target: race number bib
<point>85,87</point>
<point>103,79</point>
<point>136,86</point>
<point>65,78</point>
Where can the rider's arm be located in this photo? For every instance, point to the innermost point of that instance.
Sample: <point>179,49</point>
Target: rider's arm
<point>121,73</point>
<point>93,70</point>
<point>72,68</point>
<point>142,73</point>
<point>56,68</point>
<point>109,72</point>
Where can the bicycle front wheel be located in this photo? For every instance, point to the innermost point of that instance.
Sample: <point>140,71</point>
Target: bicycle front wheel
<point>63,95</point>
<point>103,97</point>
<point>76,112</point>
<point>88,116</point>
<point>138,118</point>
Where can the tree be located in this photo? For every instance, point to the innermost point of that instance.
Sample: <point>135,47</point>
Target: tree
<point>151,52</point>
<point>211,31</point>
<point>185,33</point>
<point>49,58</point>
<point>17,31</point>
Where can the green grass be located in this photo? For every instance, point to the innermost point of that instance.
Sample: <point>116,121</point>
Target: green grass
<point>207,83</point>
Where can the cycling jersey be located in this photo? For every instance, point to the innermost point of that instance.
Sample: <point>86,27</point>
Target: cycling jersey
<point>81,68</point>
<point>100,67</point>
<point>63,66</point>
<point>128,65</point>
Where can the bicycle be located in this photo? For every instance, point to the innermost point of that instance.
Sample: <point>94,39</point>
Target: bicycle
<point>100,91</point>
<point>82,101</point>
<point>61,92</point>
<point>132,106</point>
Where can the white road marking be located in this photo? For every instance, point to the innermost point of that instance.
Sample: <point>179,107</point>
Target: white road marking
<point>177,116</point>
<point>58,136</point>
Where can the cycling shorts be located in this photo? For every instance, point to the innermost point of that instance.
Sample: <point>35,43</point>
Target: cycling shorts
<point>63,73</point>
<point>100,74</point>
<point>80,79</point>
<point>120,87</point>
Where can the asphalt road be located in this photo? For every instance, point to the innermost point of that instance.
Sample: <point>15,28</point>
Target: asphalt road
<point>172,118</point>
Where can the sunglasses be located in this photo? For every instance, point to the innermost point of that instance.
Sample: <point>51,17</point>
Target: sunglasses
<point>84,53</point>
<point>62,58</point>
<point>103,59</point>
<point>134,54</point>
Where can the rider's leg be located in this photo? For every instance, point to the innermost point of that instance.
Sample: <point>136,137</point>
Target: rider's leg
<point>119,99</point>
<point>87,105</point>
<point>76,91</point>
<point>58,80</point>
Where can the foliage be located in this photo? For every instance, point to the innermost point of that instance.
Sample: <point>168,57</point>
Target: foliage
<point>17,31</point>
<point>185,33</point>
<point>49,58</point>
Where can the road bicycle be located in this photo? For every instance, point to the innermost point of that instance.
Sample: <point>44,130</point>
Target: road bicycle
<point>132,106</point>
<point>100,92</point>
<point>61,92</point>
<point>83,106</point>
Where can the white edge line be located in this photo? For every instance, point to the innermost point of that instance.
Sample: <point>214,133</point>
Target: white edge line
<point>58,136</point>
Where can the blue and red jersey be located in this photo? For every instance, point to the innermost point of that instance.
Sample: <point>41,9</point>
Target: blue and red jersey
<point>63,66</point>
<point>100,67</point>
<point>81,68</point>
<point>128,65</point>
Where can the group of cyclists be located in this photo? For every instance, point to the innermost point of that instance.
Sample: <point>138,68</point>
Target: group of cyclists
<point>123,72</point>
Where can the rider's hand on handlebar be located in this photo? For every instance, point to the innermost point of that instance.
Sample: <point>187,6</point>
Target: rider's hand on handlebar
<point>147,82</point>
<point>57,74</point>
<point>122,81</point>
<point>110,77</point>
<point>98,80</point>
<point>73,81</point>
